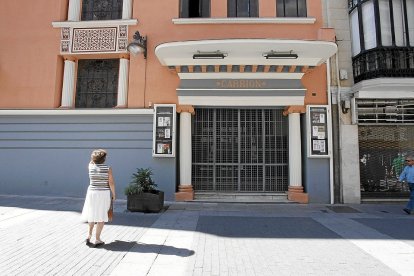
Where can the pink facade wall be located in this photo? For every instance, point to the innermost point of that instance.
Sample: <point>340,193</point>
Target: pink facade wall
<point>31,68</point>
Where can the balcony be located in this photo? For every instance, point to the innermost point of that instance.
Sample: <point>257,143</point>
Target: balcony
<point>85,37</point>
<point>385,62</point>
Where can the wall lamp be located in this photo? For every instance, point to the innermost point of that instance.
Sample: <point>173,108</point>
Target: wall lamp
<point>138,45</point>
<point>209,55</point>
<point>280,55</point>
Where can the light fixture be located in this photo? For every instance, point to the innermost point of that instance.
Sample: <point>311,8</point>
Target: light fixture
<point>138,45</point>
<point>280,55</point>
<point>209,55</point>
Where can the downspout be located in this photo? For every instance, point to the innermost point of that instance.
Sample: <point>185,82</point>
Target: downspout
<point>338,103</point>
<point>329,120</point>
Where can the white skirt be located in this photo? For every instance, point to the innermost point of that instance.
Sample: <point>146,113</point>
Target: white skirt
<point>96,206</point>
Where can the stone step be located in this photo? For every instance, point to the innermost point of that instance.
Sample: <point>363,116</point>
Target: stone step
<point>241,197</point>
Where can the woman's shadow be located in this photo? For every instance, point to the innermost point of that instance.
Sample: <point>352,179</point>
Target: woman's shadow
<point>133,246</point>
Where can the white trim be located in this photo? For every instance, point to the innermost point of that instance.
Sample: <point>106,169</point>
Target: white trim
<point>94,23</point>
<point>223,75</point>
<point>245,52</point>
<point>241,89</point>
<point>246,20</point>
<point>385,84</point>
<point>384,94</point>
<point>36,112</point>
<point>241,101</point>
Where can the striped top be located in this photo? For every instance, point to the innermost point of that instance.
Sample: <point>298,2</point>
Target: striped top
<point>98,176</point>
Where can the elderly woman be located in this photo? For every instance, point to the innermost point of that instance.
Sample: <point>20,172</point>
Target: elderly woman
<point>98,197</point>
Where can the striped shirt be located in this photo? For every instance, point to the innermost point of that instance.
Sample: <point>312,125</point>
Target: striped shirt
<point>98,176</point>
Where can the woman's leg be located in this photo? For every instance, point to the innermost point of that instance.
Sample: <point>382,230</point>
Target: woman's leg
<point>91,225</point>
<point>99,228</point>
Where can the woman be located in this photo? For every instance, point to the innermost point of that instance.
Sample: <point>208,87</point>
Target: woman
<point>98,197</point>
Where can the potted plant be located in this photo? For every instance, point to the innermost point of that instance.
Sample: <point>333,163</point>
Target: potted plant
<point>142,193</point>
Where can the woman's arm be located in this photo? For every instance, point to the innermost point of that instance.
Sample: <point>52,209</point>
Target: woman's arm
<point>111,183</point>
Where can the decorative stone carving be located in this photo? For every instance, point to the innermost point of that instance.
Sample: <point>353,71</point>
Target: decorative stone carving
<point>94,40</point>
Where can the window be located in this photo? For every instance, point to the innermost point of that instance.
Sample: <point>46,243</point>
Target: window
<point>97,83</point>
<point>101,9</point>
<point>242,8</point>
<point>194,8</point>
<point>291,8</point>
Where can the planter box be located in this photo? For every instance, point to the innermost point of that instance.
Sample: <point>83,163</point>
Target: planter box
<point>146,202</point>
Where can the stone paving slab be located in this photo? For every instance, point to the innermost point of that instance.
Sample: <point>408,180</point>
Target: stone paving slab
<point>43,236</point>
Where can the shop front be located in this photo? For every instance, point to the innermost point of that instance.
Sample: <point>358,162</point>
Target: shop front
<point>242,115</point>
<point>386,138</point>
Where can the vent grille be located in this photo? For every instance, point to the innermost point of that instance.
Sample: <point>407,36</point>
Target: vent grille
<point>384,111</point>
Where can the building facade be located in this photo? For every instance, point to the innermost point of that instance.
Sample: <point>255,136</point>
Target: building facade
<point>378,107</point>
<point>217,97</point>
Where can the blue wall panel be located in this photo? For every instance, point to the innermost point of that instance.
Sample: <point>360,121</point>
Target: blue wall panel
<point>49,155</point>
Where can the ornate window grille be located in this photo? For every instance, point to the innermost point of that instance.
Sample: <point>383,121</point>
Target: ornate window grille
<point>384,62</point>
<point>97,83</point>
<point>101,9</point>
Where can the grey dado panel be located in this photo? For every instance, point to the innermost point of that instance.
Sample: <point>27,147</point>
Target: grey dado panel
<point>49,155</point>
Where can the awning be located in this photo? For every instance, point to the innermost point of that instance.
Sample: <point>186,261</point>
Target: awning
<point>245,52</point>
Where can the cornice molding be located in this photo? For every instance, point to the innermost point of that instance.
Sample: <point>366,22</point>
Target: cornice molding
<point>94,23</point>
<point>246,20</point>
<point>74,112</point>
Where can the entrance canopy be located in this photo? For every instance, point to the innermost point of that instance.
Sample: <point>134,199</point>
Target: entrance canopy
<point>246,52</point>
<point>243,72</point>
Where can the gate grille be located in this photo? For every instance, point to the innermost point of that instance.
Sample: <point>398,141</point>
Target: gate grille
<point>382,152</point>
<point>240,150</point>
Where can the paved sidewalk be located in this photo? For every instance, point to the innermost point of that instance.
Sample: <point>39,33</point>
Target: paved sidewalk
<point>43,236</point>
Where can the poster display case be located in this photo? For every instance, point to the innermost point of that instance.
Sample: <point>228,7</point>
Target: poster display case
<point>318,131</point>
<point>164,130</point>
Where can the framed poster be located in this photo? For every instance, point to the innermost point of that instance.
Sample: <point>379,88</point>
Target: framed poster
<point>164,130</point>
<point>318,131</point>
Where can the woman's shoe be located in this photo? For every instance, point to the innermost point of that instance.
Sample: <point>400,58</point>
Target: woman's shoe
<point>98,244</point>
<point>408,211</point>
<point>88,242</point>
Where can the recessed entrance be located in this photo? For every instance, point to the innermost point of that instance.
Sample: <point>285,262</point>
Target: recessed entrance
<point>239,150</point>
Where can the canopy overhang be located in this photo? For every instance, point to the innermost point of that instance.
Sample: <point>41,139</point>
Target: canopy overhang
<point>245,52</point>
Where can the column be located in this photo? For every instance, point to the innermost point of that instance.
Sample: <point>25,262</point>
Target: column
<point>185,189</point>
<point>126,9</point>
<point>68,84</point>
<point>74,10</point>
<point>123,83</point>
<point>295,191</point>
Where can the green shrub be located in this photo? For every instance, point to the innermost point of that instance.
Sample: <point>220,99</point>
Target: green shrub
<point>141,183</point>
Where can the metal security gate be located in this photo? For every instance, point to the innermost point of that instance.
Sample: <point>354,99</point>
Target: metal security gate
<point>240,150</point>
<point>382,151</point>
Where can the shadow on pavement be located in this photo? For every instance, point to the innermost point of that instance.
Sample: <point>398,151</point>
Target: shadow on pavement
<point>147,248</point>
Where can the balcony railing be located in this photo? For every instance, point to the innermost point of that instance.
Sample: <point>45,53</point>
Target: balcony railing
<point>385,62</point>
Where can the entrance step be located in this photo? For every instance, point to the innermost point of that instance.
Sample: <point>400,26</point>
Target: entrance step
<point>241,197</point>
<point>383,200</point>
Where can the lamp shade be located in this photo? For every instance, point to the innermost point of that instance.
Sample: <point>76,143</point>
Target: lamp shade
<point>135,49</point>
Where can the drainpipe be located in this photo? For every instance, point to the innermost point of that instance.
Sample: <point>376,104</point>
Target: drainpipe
<point>338,102</point>
<point>329,120</point>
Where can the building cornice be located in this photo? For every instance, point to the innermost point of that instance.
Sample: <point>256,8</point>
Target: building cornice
<point>94,24</point>
<point>74,112</point>
<point>246,20</point>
